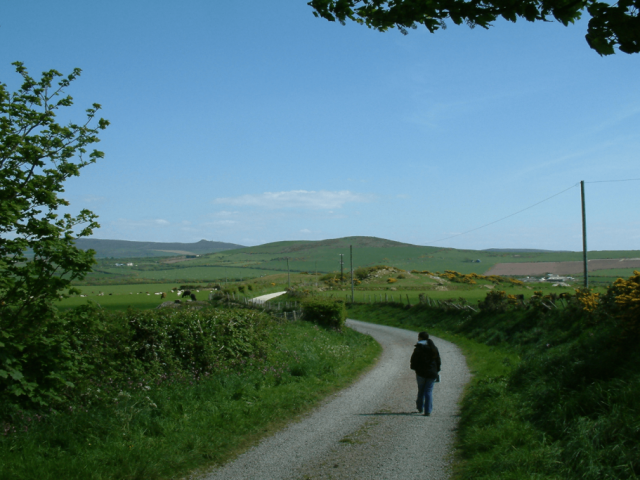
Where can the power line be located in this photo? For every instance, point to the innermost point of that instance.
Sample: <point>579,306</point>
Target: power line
<point>508,216</point>
<point>612,181</point>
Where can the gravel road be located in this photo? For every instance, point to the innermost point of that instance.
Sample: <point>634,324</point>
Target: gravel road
<point>369,430</point>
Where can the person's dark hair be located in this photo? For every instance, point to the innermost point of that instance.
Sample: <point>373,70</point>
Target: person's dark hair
<point>423,336</point>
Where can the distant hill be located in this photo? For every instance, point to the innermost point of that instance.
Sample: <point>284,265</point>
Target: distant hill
<point>523,250</point>
<point>344,242</point>
<point>128,249</point>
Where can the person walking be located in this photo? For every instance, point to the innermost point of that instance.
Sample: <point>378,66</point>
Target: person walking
<point>425,361</point>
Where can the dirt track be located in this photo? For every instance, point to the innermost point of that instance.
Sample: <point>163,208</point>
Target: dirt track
<point>560,268</point>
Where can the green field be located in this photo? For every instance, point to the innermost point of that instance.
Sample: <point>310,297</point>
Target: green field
<point>120,297</point>
<point>321,256</point>
<point>265,267</point>
<point>408,289</point>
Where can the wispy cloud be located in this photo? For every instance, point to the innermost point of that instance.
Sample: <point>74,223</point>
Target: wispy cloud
<point>297,199</point>
<point>158,222</point>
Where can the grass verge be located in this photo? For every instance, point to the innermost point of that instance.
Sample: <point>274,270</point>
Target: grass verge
<point>177,427</point>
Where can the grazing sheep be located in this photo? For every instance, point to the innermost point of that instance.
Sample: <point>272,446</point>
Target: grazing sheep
<point>193,297</point>
<point>186,293</point>
<point>164,295</point>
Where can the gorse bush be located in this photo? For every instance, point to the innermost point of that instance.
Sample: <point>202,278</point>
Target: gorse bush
<point>470,278</point>
<point>623,298</point>
<point>363,273</point>
<point>333,278</point>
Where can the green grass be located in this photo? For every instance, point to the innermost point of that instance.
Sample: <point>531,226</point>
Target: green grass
<point>193,425</point>
<point>120,297</point>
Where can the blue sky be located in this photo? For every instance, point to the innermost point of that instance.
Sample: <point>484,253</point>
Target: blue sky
<point>252,121</point>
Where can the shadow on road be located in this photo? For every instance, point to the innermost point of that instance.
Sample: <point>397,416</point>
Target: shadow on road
<point>381,414</point>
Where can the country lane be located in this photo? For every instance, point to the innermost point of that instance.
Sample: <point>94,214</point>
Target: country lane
<point>370,430</point>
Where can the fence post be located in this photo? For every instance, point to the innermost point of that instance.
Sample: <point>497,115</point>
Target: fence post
<point>385,298</point>
<point>294,316</point>
<point>408,301</point>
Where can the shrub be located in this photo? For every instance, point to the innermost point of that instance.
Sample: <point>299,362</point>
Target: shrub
<point>87,346</point>
<point>391,280</point>
<point>361,273</point>
<point>495,301</point>
<point>298,291</point>
<point>333,278</point>
<point>401,276</point>
<point>326,312</point>
<point>625,304</point>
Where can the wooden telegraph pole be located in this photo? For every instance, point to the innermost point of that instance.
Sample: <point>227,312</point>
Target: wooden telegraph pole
<point>288,274</point>
<point>341,267</point>
<point>584,237</point>
<point>351,255</point>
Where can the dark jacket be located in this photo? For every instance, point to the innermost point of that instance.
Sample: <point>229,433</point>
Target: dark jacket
<point>425,360</point>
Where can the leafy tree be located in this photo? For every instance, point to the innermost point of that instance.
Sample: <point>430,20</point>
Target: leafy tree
<point>38,258</point>
<point>611,24</point>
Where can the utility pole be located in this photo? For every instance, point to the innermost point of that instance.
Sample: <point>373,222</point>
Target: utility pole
<point>288,274</point>
<point>341,267</point>
<point>316,274</point>
<point>351,255</point>
<point>584,237</point>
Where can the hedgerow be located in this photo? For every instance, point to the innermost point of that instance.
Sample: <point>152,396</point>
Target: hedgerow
<point>58,365</point>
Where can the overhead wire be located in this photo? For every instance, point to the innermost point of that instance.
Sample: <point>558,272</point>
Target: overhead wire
<point>504,218</point>
<point>612,181</point>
